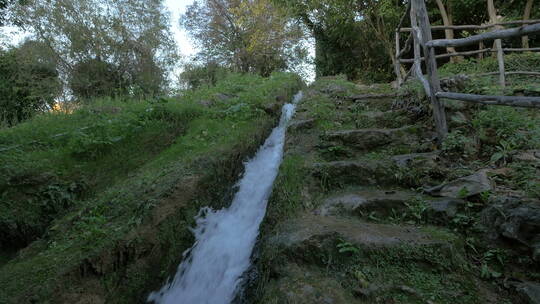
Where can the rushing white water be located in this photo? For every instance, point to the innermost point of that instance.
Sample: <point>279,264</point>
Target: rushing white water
<point>225,238</point>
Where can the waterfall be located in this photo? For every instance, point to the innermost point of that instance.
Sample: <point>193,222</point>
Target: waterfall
<point>212,269</point>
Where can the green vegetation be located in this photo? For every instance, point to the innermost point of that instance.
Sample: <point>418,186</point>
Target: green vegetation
<point>95,183</point>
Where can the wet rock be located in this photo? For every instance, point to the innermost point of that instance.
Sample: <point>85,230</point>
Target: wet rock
<point>515,219</point>
<point>463,187</point>
<point>530,291</point>
<point>297,125</point>
<point>365,139</point>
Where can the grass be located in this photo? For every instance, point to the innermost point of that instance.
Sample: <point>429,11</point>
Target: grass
<point>488,85</point>
<point>164,146</point>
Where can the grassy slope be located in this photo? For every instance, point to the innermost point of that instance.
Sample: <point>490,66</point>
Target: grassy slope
<point>136,161</point>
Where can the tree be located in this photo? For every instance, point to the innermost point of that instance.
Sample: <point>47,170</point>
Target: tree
<point>527,16</point>
<point>96,78</point>
<point>131,35</point>
<point>247,36</point>
<point>196,75</point>
<point>447,17</point>
<point>29,82</point>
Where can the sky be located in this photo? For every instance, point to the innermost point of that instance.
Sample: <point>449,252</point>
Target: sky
<point>177,8</point>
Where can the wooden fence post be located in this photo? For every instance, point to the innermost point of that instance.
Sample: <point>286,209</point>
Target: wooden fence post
<point>498,43</point>
<point>397,64</point>
<point>420,19</point>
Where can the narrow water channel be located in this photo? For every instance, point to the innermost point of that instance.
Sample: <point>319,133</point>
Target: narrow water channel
<point>212,269</point>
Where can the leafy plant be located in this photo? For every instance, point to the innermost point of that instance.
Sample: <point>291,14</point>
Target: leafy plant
<point>417,208</point>
<point>346,247</point>
<point>458,145</point>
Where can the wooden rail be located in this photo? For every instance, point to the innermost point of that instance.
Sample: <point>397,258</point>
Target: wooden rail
<point>421,41</point>
<point>472,27</point>
<point>513,101</point>
<point>499,34</point>
<point>475,52</point>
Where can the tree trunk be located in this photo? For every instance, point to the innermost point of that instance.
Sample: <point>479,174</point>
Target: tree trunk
<point>449,33</point>
<point>498,43</point>
<point>527,16</point>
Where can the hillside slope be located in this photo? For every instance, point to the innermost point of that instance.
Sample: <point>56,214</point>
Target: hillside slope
<point>97,205</point>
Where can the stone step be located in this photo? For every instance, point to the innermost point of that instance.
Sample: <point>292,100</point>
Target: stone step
<point>372,172</point>
<point>309,229</point>
<point>306,250</point>
<point>366,139</point>
<point>384,202</point>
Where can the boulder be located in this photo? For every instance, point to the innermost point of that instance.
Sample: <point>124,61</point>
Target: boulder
<point>514,218</point>
<point>463,187</point>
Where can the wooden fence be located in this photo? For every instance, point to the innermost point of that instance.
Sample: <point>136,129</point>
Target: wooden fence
<point>421,41</point>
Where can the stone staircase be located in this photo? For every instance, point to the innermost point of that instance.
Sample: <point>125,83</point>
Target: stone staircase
<point>350,222</point>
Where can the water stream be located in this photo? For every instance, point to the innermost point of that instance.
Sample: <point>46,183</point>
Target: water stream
<point>212,269</point>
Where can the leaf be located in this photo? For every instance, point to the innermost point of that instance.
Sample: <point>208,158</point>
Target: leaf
<point>497,156</point>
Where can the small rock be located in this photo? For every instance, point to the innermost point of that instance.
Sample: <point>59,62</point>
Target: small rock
<point>463,187</point>
<point>530,291</point>
<point>528,156</point>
